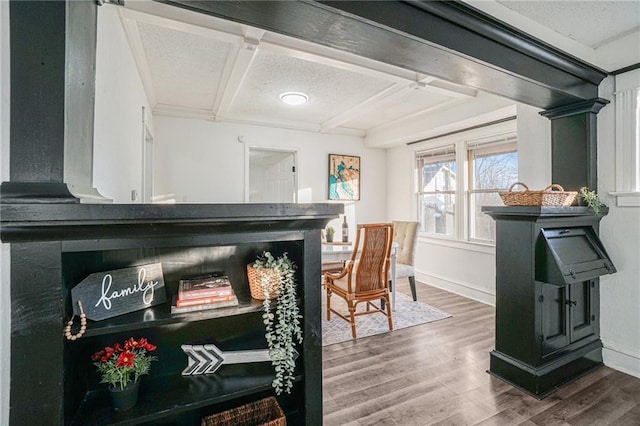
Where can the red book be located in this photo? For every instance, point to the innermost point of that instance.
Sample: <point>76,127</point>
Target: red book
<point>204,287</point>
<point>204,300</point>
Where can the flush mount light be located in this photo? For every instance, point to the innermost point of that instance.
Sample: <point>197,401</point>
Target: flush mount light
<point>293,98</point>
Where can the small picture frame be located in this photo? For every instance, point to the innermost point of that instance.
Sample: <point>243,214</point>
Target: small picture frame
<point>344,177</point>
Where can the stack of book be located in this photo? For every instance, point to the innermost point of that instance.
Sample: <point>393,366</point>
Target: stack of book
<point>197,294</point>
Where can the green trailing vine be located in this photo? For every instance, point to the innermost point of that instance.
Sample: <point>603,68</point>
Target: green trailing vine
<point>592,199</point>
<point>282,325</point>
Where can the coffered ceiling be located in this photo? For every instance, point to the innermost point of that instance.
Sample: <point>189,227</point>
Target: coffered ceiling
<point>194,65</point>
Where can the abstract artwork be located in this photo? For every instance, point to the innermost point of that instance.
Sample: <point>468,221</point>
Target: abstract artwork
<point>344,177</point>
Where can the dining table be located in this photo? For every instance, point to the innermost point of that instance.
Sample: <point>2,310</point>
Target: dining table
<point>341,251</point>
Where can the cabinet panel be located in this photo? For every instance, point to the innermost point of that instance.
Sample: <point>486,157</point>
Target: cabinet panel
<point>554,318</point>
<point>566,314</point>
<point>582,310</point>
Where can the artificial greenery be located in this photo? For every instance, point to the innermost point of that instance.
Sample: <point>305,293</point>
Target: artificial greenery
<point>283,325</point>
<point>330,231</point>
<point>120,365</point>
<point>592,199</point>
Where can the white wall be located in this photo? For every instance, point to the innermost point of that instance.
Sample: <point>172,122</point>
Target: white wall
<point>200,161</point>
<point>5,260</point>
<point>534,148</point>
<point>120,96</point>
<point>620,233</point>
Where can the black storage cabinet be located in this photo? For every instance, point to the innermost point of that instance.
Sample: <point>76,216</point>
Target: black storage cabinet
<point>548,260</point>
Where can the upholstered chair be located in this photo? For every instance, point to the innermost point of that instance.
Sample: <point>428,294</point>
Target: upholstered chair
<point>406,235</point>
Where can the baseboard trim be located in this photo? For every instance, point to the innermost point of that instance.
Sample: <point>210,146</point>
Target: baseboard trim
<point>461,289</point>
<point>620,360</point>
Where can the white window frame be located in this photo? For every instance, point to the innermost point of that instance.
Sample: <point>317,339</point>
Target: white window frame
<point>460,142</point>
<point>443,152</point>
<point>497,144</point>
<point>627,117</point>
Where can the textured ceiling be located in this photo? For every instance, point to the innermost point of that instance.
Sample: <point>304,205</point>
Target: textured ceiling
<point>172,55</point>
<point>591,23</point>
<point>200,66</point>
<point>195,65</point>
<point>330,89</point>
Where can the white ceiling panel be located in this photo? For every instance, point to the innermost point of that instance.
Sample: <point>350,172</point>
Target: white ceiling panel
<point>408,101</point>
<point>589,22</point>
<point>331,90</point>
<point>185,68</point>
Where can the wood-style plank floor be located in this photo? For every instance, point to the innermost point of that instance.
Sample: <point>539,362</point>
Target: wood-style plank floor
<point>436,374</point>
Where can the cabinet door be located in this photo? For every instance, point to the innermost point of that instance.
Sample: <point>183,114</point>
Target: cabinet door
<point>581,302</point>
<point>554,310</point>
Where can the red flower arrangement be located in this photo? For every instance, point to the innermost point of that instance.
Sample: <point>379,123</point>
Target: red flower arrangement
<point>120,365</point>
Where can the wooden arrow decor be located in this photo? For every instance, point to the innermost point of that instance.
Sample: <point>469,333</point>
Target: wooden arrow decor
<point>207,359</point>
<point>111,293</point>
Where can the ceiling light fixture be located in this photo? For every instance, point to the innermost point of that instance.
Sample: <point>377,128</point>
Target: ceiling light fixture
<point>294,98</point>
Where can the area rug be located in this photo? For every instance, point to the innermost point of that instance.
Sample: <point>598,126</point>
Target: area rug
<point>406,314</point>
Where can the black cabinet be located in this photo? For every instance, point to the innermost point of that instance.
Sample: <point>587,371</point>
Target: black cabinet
<point>54,247</point>
<point>567,314</point>
<point>548,260</point>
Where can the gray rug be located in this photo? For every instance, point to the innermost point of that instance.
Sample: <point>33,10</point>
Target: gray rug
<point>406,314</point>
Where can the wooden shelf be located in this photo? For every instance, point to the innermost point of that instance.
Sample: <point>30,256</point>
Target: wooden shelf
<point>64,244</point>
<point>163,397</point>
<point>161,315</point>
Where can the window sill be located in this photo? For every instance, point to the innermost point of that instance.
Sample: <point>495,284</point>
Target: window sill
<point>627,199</point>
<point>476,246</point>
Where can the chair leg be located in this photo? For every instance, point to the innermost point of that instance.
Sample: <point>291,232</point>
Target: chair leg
<point>328,304</point>
<point>412,283</point>
<point>389,316</point>
<point>352,315</point>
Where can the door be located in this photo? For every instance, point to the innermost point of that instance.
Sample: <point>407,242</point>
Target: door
<point>553,316</point>
<point>583,314</point>
<point>272,176</point>
<point>567,314</point>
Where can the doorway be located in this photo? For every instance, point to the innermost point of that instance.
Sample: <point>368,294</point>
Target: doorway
<point>272,176</point>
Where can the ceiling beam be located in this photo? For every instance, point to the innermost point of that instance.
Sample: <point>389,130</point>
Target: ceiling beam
<point>137,50</point>
<point>449,40</point>
<point>235,72</point>
<point>357,110</point>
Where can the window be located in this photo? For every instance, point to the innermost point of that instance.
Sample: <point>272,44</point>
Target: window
<point>456,180</point>
<point>493,167</point>
<point>437,199</point>
<point>627,112</point>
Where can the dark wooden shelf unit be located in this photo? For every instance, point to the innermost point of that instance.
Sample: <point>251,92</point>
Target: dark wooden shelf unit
<point>51,252</point>
<point>547,309</point>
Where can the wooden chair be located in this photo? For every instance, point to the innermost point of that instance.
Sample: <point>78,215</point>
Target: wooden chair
<point>364,277</point>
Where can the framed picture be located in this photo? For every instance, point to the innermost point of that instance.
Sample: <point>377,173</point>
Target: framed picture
<point>344,177</point>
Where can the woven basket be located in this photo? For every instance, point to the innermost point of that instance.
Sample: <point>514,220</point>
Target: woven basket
<point>546,197</point>
<point>256,276</point>
<point>264,412</point>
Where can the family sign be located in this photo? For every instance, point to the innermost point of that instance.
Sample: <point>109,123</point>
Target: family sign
<point>111,293</point>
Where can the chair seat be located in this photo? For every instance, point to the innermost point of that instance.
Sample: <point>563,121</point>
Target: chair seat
<point>403,270</point>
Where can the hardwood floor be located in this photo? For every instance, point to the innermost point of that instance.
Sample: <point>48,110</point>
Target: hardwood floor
<point>436,374</point>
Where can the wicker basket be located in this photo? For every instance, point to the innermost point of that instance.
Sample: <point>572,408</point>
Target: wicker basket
<point>546,197</point>
<point>255,277</point>
<point>264,412</point>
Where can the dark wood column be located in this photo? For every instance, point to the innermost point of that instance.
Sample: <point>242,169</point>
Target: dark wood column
<point>574,153</point>
<point>53,51</point>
